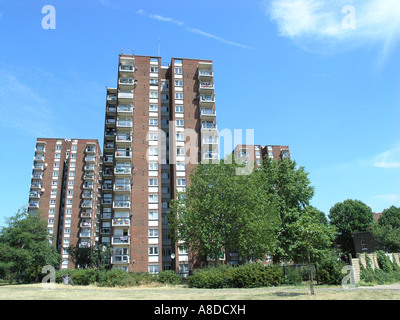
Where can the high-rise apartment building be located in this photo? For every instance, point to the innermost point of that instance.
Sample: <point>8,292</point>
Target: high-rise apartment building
<point>64,187</point>
<point>160,122</point>
<point>256,153</point>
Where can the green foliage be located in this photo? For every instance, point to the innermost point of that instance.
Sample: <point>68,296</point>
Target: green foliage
<point>169,277</point>
<point>250,275</point>
<point>387,230</point>
<point>349,217</point>
<point>330,270</point>
<point>388,272</point>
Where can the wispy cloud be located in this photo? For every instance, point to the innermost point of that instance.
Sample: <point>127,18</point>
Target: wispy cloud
<point>389,159</point>
<point>178,23</point>
<point>320,25</point>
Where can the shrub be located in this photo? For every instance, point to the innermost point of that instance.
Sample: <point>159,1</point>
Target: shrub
<point>169,277</point>
<point>330,271</point>
<point>250,275</point>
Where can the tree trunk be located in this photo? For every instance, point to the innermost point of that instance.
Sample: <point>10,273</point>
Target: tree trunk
<point>310,275</point>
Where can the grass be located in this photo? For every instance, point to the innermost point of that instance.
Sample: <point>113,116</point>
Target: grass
<point>160,292</point>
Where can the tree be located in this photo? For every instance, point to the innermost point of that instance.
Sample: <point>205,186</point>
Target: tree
<point>24,244</point>
<point>90,257</point>
<point>313,238</point>
<point>290,186</point>
<point>387,230</point>
<point>222,211</point>
<point>349,217</point>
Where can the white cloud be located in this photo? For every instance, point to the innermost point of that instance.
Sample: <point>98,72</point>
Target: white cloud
<point>212,36</point>
<point>166,19</point>
<point>389,159</point>
<point>318,25</point>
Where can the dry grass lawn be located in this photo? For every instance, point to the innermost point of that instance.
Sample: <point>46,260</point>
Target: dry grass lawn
<point>63,292</point>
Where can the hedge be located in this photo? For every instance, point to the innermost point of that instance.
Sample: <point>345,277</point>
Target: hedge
<point>250,275</point>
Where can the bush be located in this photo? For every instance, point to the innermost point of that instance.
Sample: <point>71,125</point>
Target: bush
<point>330,270</point>
<point>84,277</point>
<point>388,272</point>
<point>169,277</point>
<point>250,275</point>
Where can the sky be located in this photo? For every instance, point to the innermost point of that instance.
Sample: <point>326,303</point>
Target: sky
<point>319,76</point>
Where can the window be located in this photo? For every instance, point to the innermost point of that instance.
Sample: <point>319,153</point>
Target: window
<point>180,123</point>
<point>56,164</point>
<point>153,233</point>
<point>178,70</point>
<point>178,83</point>
<point>153,269</point>
<point>180,137</point>
<point>180,167</point>
<point>164,109</point>
<point>153,108</point>
<point>153,198</point>
<point>154,94</point>
<point>179,109</point>
<point>164,175</point>
<point>179,96</point>
<point>164,205</point>
<point>153,151</point>
<point>153,136</point>
<point>153,122</point>
<point>58,147</point>
<point>180,151</point>
<point>153,69</point>
<point>71,182</point>
<point>67,231</point>
<point>153,182</point>
<point>57,156</point>
<point>153,215</point>
<point>67,221</point>
<point>51,212</point>
<point>50,221</point>
<point>153,166</point>
<point>68,212</point>
<point>69,201</point>
<point>154,82</point>
<point>153,251</point>
<point>74,148</point>
<point>164,96</point>
<point>52,201</point>
<point>181,182</point>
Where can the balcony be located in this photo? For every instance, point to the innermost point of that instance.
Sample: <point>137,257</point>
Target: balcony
<point>34,194</point>
<point>105,231</point>
<point>84,244</point>
<point>124,138</point>
<point>38,166</point>
<point>210,156</point>
<point>36,185</point>
<point>88,176</point>
<point>33,204</point>
<point>129,82</point>
<point>39,158</point>
<point>125,95</point>
<point>207,114</point>
<point>90,158</point>
<point>110,132</point>
<point>89,167</point>
<point>108,159</point>
<point>206,87</point>
<point>120,259</point>
<point>40,149</point>
<point>37,175</point>
<point>84,234</point>
<point>106,215</point>
<point>109,146</point>
<point>107,172</point>
<point>209,125</point>
<point>128,68</point>
<point>112,97</point>
<point>111,109</point>
<point>87,204</point>
<point>125,108</point>
<point>87,195</point>
<point>207,100</point>
<point>107,202</point>
<point>88,185</point>
<point>120,222</point>
<point>90,150</point>
<point>123,154</point>
<point>124,123</point>
<point>285,154</point>
<point>85,224</point>
<point>205,74</point>
<point>107,186</point>
<point>122,204</point>
<point>119,187</point>
<point>120,240</point>
<point>87,213</point>
<point>122,171</point>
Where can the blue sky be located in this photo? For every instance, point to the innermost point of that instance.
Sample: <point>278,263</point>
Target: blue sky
<point>298,72</point>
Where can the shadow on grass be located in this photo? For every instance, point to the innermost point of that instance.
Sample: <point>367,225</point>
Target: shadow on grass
<point>289,294</point>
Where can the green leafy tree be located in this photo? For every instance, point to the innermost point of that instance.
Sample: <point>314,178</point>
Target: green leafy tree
<point>25,243</point>
<point>290,186</point>
<point>223,211</point>
<point>387,230</point>
<point>313,239</point>
<point>349,217</point>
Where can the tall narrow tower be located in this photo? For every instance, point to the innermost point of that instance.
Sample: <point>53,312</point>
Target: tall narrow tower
<point>160,123</point>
